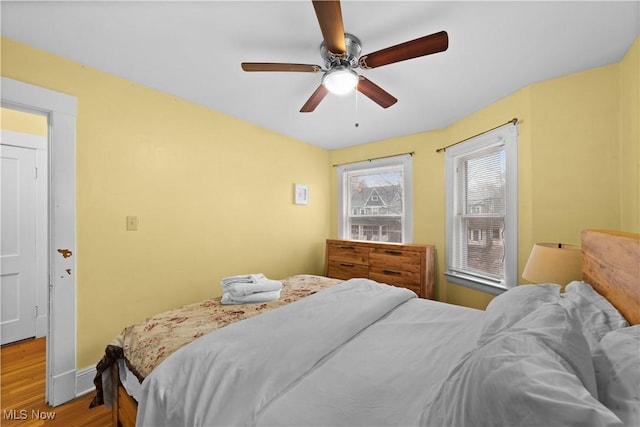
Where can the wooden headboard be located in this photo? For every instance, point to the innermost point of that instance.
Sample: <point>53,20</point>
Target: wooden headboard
<point>611,264</point>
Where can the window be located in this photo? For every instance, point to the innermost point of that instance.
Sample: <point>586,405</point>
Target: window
<point>481,209</point>
<point>374,199</point>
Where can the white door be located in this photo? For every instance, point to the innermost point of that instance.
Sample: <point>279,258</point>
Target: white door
<point>18,243</point>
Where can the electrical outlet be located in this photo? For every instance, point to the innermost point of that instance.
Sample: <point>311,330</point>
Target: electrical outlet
<point>132,223</point>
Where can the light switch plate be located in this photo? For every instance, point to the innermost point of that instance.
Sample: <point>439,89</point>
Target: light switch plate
<point>132,223</point>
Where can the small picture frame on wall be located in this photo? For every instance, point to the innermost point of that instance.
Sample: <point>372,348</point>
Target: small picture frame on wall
<point>301,194</point>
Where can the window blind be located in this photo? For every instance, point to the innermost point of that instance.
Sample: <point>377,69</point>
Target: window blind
<point>480,214</point>
<point>481,207</point>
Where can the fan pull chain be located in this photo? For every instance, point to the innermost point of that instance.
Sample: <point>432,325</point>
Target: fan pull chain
<point>356,109</point>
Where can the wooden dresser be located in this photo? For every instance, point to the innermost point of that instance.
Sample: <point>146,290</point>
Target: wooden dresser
<point>409,266</point>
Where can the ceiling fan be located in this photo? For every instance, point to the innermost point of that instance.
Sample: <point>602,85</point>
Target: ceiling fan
<point>341,54</point>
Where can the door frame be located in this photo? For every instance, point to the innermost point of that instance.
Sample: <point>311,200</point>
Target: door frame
<point>61,110</point>
<point>39,145</point>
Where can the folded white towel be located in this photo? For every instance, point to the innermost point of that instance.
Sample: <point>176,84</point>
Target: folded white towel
<point>242,289</point>
<point>246,278</point>
<point>251,299</point>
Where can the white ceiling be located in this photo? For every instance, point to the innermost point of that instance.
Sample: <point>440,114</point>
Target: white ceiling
<point>193,50</point>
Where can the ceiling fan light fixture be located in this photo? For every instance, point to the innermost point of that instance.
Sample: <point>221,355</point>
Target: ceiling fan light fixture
<point>340,80</point>
<point>341,54</point>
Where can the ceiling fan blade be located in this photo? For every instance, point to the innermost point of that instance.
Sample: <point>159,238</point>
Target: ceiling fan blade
<point>277,66</point>
<point>329,16</point>
<point>422,46</point>
<point>375,93</point>
<point>315,98</point>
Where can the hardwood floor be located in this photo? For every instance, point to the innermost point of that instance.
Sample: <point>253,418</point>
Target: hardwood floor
<point>22,386</point>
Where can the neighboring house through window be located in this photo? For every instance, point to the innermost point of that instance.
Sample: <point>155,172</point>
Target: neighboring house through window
<point>481,210</point>
<point>375,200</point>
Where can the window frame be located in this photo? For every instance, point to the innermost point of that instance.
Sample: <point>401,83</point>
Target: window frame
<point>504,138</point>
<point>403,160</point>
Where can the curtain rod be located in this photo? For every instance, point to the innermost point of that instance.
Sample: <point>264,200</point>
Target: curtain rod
<point>411,153</point>
<point>512,121</point>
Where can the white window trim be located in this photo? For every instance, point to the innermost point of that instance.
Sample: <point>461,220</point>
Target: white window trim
<point>406,160</point>
<point>508,136</point>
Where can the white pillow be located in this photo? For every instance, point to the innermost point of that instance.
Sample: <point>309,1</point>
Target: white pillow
<point>536,373</point>
<point>617,367</point>
<point>596,315</point>
<point>513,305</point>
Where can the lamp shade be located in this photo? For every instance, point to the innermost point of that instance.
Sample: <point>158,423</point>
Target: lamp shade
<point>554,263</point>
<point>340,80</point>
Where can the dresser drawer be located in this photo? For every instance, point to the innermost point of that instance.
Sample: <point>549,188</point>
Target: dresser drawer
<point>395,277</point>
<point>349,254</point>
<point>346,270</point>
<point>396,259</point>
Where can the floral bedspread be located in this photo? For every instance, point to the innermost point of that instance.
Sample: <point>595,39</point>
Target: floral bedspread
<point>145,344</point>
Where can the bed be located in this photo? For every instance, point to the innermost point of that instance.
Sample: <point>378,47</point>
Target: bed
<point>364,353</point>
<point>140,347</point>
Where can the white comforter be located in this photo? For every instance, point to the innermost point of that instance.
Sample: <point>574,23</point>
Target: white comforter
<point>359,353</point>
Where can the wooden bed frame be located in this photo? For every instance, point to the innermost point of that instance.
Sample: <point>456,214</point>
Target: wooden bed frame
<point>610,263</point>
<point>124,407</point>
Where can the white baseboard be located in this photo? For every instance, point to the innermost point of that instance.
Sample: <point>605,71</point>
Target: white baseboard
<point>61,388</point>
<point>84,380</point>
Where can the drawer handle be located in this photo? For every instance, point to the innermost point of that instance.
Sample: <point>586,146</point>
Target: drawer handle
<point>392,273</point>
<point>346,265</point>
<point>393,252</point>
<point>349,248</point>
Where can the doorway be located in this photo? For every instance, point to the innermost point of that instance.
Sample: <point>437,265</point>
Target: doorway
<point>23,252</point>
<point>61,111</point>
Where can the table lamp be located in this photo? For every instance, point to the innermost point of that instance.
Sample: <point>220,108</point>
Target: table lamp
<point>554,263</point>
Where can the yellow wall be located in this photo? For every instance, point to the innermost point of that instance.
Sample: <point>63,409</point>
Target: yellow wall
<point>575,155</point>
<point>577,159</point>
<point>213,196</point>
<point>629,137</point>
<point>19,121</point>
